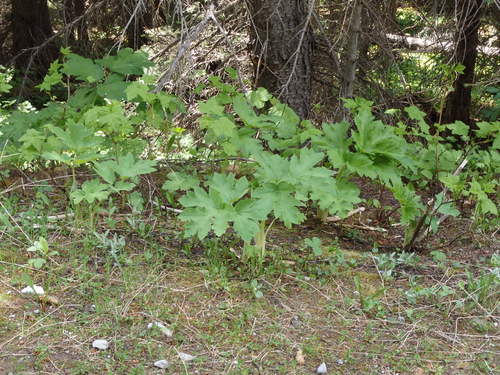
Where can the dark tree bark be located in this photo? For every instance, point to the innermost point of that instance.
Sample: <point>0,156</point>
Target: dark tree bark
<point>25,24</point>
<point>141,19</point>
<point>136,36</point>
<point>351,54</point>
<point>458,102</point>
<point>77,35</point>
<point>389,10</point>
<point>6,32</point>
<point>282,44</point>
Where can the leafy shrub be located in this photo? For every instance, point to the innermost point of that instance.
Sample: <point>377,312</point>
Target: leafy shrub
<point>108,102</point>
<point>292,164</point>
<point>110,109</point>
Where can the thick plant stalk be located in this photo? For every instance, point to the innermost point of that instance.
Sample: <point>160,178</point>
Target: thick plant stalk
<point>322,215</point>
<point>444,217</point>
<point>417,235</point>
<point>260,239</point>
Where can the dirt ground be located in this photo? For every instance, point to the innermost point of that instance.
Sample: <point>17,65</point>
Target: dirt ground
<point>339,308</point>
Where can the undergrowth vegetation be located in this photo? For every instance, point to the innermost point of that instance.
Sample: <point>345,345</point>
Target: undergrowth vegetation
<point>112,122</point>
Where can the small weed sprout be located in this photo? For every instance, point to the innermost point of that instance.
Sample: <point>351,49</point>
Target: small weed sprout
<point>41,249</point>
<point>113,244</point>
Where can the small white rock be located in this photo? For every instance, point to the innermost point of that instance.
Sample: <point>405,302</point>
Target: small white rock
<point>186,357</point>
<point>321,369</point>
<point>36,289</point>
<point>340,362</point>
<point>166,331</point>
<point>162,363</point>
<point>100,344</point>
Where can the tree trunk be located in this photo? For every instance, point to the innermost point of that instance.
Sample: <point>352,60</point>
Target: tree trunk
<point>25,24</point>
<point>136,36</point>
<point>136,17</point>
<point>351,56</point>
<point>458,102</point>
<point>6,32</point>
<point>77,35</point>
<point>282,42</point>
<point>389,10</point>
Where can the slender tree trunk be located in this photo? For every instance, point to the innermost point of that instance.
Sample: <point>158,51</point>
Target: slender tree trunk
<point>135,16</point>
<point>78,36</point>
<point>6,31</point>
<point>136,36</point>
<point>458,102</point>
<point>282,42</point>
<point>351,56</point>
<point>377,18</point>
<point>25,24</point>
<point>389,9</point>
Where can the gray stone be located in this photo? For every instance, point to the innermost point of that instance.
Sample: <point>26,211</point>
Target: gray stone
<point>186,357</point>
<point>321,369</point>
<point>100,344</point>
<point>35,289</point>
<point>162,363</point>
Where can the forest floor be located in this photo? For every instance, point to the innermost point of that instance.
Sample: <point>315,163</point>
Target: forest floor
<point>356,310</point>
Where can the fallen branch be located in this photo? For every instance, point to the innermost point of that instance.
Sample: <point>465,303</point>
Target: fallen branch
<point>333,219</point>
<point>52,217</point>
<point>433,45</point>
<point>166,208</point>
<point>185,46</point>
<point>365,227</point>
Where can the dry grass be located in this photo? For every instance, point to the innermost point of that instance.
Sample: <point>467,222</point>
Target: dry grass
<point>206,298</point>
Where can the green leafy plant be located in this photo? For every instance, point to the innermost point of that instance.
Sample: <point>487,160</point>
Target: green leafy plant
<point>280,186</point>
<point>388,262</point>
<point>256,289</point>
<point>114,244</point>
<point>96,117</point>
<point>119,175</point>
<point>41,250</point>
<point>435,293</point>
<point>438,256</point>
<point>5,78</point>
<point>223,203</point>
<point>315,245</point>
<point>274,166</point>
<point>483,289</point>
<point>292,165</point>
<point>370,303</point>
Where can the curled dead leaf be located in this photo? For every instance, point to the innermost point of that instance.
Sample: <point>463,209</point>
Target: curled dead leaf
<point>49,300</point>
<point>299,357</point>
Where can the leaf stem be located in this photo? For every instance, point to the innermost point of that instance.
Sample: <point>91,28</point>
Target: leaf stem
<point>260,239</point>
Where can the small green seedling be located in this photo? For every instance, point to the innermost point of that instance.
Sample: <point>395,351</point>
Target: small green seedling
<point>40,248</point>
